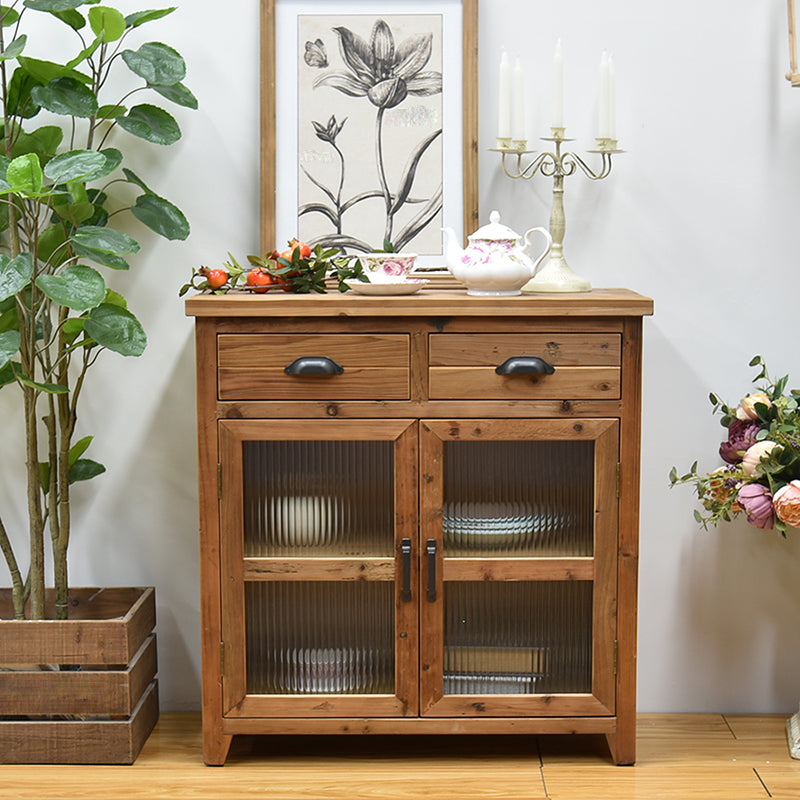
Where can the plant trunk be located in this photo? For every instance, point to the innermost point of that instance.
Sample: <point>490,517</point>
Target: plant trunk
<point>36,522</point>
<point>18,587</point>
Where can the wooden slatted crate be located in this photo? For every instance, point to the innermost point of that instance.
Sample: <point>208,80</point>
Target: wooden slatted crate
<point>82,690</point>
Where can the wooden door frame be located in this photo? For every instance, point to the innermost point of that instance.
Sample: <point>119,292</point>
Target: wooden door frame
<point>601,568</point>
<point>237,570</point>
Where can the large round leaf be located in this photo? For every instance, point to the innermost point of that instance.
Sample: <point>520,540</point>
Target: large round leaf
<point>151,123</point>
<point>106,240</point>
<point>45,71</point>
<point>15,274</point>
<point>77,287</point>
<point>140,17</point>
<point>107,23</point>
<point>18,100</point>
<point>43,141</point>
<point>14,49</point>
<point>178,93</point>
<point>117,329</point>
<point>9,346</point>
<point>57,5</point>
<point>161,216</point>
<point>104,245</point>
<point>157,63</point>
<point>76,165</point>
<point>67,97</point>
<point>71,18</point>
<point>10,16</point>
<point>24,175</point>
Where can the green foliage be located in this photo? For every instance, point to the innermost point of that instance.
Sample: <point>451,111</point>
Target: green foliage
<point>150,123</point>
<point>117,329</point>
<point>58,212</point>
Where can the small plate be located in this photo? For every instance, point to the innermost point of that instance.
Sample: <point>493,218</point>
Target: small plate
<point>410,286</point>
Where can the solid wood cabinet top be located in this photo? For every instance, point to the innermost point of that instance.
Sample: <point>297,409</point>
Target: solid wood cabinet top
<point>439,302</point>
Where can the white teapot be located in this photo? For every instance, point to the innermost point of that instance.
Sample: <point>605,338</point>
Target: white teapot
<point>495,262</point>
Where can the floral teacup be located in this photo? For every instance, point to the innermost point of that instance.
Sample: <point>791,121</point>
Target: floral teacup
<point>387,267</point>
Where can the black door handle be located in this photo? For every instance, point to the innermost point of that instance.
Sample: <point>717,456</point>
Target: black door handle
<point>314,365</point>
<point>405,549</point>
<point>521,365</point>
<point>431,551</point>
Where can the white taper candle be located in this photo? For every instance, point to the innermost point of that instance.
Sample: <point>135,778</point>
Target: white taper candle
<point>504,99</point>
<point>558,87</point>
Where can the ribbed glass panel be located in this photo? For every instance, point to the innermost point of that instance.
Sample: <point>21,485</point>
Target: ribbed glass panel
<point>518,637</point>
<point>518,498</point>
<point>318,498</point>
<point>320,638</point>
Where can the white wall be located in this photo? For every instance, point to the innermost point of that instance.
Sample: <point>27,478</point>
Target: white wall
<point>699,213</point>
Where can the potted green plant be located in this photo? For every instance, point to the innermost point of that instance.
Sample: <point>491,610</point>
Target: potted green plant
<point>63,183</point>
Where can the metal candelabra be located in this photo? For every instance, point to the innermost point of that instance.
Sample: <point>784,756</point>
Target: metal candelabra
<point>556,275</point>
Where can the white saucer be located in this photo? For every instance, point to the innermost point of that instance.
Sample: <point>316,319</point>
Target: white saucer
<point>410,286</point>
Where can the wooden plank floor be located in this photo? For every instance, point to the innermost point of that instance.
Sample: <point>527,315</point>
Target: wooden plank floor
<point>685,756</point>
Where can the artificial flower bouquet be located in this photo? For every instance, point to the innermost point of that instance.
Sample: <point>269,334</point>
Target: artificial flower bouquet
<point>761,475</point>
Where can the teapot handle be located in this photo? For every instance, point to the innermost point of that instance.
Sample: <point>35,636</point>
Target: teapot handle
<point>547,249</point>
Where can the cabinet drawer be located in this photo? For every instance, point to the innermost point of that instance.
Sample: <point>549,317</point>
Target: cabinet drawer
<point>374,366</point>
<point>587,366</point>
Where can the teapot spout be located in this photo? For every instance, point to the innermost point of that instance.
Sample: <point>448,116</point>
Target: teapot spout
<point>453,252</point>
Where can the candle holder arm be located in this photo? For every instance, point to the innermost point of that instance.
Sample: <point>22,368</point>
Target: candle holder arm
<point>574,160</point>
<point>517,170</point>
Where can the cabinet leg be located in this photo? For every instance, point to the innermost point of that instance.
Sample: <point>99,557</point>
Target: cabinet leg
<point>623,745</point>
<point>215,746</point>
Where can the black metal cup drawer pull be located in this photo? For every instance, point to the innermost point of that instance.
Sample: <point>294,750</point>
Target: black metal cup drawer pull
<point>525,365</point>
<point>314,365</point>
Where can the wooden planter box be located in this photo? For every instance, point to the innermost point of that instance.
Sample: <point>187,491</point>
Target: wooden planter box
<point>110,644</point>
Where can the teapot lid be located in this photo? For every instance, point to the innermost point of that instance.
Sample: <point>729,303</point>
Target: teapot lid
<point>494,230</point>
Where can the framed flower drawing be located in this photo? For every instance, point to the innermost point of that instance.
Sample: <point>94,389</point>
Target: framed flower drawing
<point>368,123</point>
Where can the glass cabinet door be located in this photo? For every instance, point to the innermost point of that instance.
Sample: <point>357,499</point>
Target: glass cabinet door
<point>319,558</point>
<point>518,536</point>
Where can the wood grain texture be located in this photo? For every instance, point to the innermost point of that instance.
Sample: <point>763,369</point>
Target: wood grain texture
<point>106,626</point>
<point>469,105</point>
<point>276,350</point>
<point>265,383</point>
<point>623,741</point>
<point>319,569</point>
<point>490,349</point>
<point>78,741</point>
<point>706,756</point>
<point>87,691</point>
<point>599,330</point>
<point>452,303</point>
<point>584,383</point>
<point>216,743</point>
<point>517,569</point>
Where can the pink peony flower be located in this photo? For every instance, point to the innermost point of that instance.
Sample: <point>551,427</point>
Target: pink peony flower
<point>751,461</point>
<point>741,435</point>
<point>746,410</point>
<point>787,504</point>
<point>757,504</point>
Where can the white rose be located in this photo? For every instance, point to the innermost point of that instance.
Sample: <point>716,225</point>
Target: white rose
<point>752,457</point>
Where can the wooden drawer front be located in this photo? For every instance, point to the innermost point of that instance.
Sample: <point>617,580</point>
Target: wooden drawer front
<point>251,367</point>
<point>587,366</point>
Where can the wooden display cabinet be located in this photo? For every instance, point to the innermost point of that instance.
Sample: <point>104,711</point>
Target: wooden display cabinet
<point>419,514</point>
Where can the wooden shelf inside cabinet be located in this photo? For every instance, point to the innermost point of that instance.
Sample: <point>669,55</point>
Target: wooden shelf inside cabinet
<point>428,523</point>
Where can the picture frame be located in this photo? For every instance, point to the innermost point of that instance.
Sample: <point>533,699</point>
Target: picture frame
<point>280,142</point>
<point>793,76</point>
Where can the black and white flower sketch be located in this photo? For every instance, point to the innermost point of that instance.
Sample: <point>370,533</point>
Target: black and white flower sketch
<point>370,130</point>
